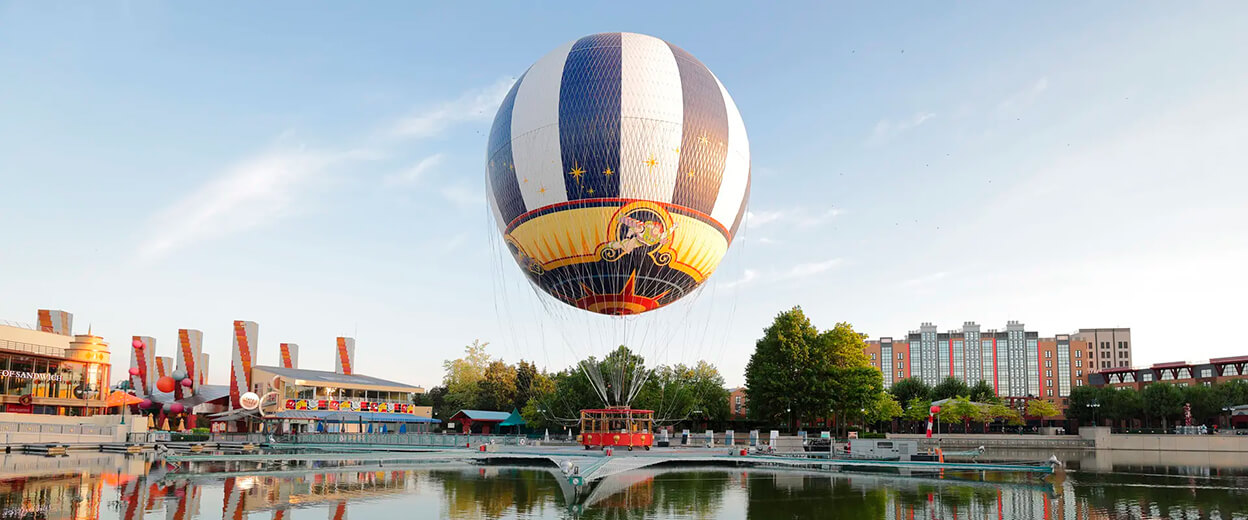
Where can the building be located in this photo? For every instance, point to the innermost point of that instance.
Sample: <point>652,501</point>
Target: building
<point>1111,348</point>
<point>46,369</point>
<point>1179,373</point>
<point>1015,362</point>
<point>348,403</point>
<point>738,403</point>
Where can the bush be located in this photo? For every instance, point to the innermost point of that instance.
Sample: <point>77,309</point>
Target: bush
<point>188,437</point>
<point>199,430</point>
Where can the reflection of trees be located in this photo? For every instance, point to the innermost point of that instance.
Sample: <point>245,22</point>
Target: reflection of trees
<point>811,496</point>
<point>683,494</point>
<point>1109,492</point>
<point>493,492</point>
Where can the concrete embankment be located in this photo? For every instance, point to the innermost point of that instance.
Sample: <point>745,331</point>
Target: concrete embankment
<point>1088,438</point>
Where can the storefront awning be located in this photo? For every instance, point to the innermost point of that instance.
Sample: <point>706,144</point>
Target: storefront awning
<point>350,417</point>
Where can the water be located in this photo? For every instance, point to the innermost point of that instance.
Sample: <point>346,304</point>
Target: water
<point>1099,485</point>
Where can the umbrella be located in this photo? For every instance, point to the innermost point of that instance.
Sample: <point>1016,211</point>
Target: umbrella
<point>119,398</point>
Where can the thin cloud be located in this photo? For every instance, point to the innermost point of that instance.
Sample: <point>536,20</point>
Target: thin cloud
<point>746,277</point>
<point>887,129</point>
<point>454,242</point>
<point>926,279</point>
<point>474,105</point>
<point>810,269</point>
<point>413,175</point>
<point>256,191</point>
<point>462,196</point>
<point>800,217</point>
<point>1023,98</point>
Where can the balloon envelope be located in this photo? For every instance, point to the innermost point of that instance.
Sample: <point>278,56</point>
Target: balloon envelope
<point>165,384</point>
<point>618,169</point>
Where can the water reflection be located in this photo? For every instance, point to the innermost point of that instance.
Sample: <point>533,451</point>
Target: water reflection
<point>90,486</point>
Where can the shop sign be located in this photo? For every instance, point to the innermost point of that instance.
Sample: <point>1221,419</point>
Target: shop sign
<point>20,408</point>
<point>31,375</point>
<point>348,406</point>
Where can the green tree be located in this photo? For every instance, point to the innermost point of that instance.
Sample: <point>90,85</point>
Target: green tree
<point>1162,400</point>
<point>497,390</point>
<point>1232,393</point>
<point>959,409</point>
<point>1078,409</point>
<point>917,409</point>
<point>982,392</point>
<point>464,374</point>
<point>853,390</point>
<point>1205,401</point>
<point>885,408</point>
<point>845,346</point>
<point>1122,405</point>
<point>783,372</point>
<point>949,388</point>
<point>526,374</point>
<point>909,388</point>
<point>1041,408</point>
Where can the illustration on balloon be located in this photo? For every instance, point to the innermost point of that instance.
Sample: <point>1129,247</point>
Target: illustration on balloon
<point>618,170</point>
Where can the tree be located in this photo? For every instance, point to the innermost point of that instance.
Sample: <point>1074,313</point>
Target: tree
<point>464,374</point>
<point>1041,408</point>
<point>846,346</point>
<point>1078,409</point>
<point>959,409</point>
<point>853,390</point>
<point>910,388</point>
<point>982,392</point>
<point>1162,400</point>
<point>1124,405</point>
<point>949,388</point>
<point>497,390</point>
<point>917,409</point>
<point>781,372</point>
<point>526,374</point>
<point>885,408</point>
<point>1205,401</point>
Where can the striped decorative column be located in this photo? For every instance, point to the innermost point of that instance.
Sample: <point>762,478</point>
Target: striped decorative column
<point>290,355</point>
<point>203,369</point>
<point>243,356</point>
<point>344,361</point>
<point>190,348</point>
<point>145,360</point>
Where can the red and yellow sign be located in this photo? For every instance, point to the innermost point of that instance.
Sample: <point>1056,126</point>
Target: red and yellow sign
<point>348,406</point>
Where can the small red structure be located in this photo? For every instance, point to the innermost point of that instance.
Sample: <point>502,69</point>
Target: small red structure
<point>617,427</point>
<point>485,420</point>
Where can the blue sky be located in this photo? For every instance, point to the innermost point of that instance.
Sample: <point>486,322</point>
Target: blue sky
<point>318,168</point>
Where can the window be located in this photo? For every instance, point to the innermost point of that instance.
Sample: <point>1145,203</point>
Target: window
<point>1078,382</point>
<point>1048,363</point>
<point>1049,392</point>
<point>1122,364</point>
<point>1104,364</point>
<point>901,355</point>
<point>1078,353</point>
<point>1078,373</point>
<point>1048,373</point>
<point>1048,353</point>
<point>900,374</point>
<point>1146,377</point>
<point>900,365</point>
<point>1078,363</point>
<point>1206,372</point>
<point>1122,354</point>
<point>1207,383</point>
<point>873,355</point>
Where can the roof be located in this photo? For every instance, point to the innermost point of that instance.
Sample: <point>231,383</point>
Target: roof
<point>203,394</point>
<point>483,415</point>
<point>1116,370</point>
<point>1233,359</point>
<point>324,378</point>
<point>513,419</point>
<point>1172,364</point>
<point>235,415</point>
<point>351,416</point>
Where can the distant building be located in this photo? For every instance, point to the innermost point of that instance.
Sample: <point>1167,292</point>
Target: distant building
<point>1015,362</point>
<point>46,369</point>
<point>1179,373</point>
<point>738,404</point>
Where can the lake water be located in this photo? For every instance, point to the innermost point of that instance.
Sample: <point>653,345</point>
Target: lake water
<point>1098,485</point>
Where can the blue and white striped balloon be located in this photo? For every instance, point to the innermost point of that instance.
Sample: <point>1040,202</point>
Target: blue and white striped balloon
<point>618,171</point>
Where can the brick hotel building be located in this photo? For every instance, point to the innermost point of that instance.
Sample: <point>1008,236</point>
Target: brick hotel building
<point>1016,362</point>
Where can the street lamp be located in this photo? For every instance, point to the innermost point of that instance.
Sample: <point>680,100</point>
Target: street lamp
<point>788,412</point>
<point>1094,406</point>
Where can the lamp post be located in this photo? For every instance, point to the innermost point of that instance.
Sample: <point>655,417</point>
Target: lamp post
<point>1094,406</point>
<point>788,412</point>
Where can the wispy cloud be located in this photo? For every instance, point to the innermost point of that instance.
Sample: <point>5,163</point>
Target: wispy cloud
<point>415,173</point>
<point>256,191</point>
<point>926,279</point>
<point>800,217</point>
<point>474,105</point>
<point>454,242</point>
<point>460,195</point>
<point>1023,98</point>
<point>887,129</point>
<point>746,277</point>
<point>809,269</point>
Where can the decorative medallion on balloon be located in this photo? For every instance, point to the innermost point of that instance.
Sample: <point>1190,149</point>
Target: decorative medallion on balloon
<point>618,170</point>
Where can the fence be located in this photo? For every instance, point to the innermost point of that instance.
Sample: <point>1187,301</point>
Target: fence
<point>386,439</point>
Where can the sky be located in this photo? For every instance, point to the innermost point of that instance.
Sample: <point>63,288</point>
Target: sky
<point>319,168</point>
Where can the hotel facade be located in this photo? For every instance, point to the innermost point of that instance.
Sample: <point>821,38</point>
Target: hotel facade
<point>1017,363</point>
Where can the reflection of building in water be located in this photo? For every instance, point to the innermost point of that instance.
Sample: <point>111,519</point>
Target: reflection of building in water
<point>247,494</point>
<point>74,496</point>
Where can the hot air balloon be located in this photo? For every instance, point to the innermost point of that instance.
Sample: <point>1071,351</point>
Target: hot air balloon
<point>618,170</point>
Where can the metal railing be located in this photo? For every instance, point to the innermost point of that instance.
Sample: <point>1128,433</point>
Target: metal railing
<point>398,439</point>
